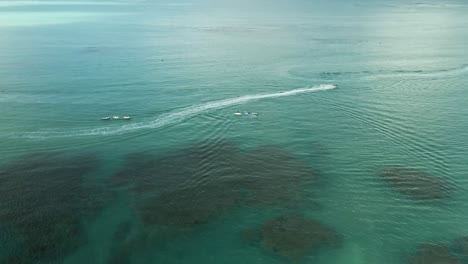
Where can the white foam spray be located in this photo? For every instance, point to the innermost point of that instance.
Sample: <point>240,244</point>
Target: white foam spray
<point>174,117</point>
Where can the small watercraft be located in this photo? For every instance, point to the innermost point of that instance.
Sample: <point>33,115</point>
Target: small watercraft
<point>237,113</point>
<point>126,118</point>
<point>253,113</point>
<point>115,117</point>
<point>106,118</point>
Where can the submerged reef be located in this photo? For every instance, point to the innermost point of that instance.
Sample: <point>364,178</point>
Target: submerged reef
<point>190,206</point>
<point>461,244</point>
<point>147,173</point>
<point>194,185</point>
<point>294,236</point>
<point>251,235</point>
<point>275,177</point>
<point>434,254</point>
<point>43,203</point>
<point>416,184</point>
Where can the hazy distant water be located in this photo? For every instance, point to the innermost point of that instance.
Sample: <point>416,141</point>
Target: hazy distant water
<point>184,179</point>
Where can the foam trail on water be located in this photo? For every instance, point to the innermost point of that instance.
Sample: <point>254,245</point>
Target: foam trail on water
<point>174,117</point>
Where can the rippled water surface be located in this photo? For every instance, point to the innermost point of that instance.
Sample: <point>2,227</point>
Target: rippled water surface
<point>358,153</point>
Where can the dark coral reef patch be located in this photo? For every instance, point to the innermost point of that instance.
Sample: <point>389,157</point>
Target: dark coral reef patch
<point>416,184</point>
<point>194,185</point>
<point>434,254</point>
<point>461,245</point>
<point>190,206</point>
<point>294,236</point>
<point>43,203</point>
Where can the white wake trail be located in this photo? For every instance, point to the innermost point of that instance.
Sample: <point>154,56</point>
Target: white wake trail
<point>174,117</point>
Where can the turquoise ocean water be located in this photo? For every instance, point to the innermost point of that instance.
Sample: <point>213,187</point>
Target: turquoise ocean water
<point>358,154</point>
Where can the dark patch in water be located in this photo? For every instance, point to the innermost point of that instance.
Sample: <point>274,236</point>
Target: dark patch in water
<point>295,236</point>
<point>275,177</point>
<point>461,246</point>
<point>195,185</point>
<point>92,49</point>
<point>166,173</point>
<point>251,235</point>
<point>416,184</point>
<point>190,206</point>
<point>434,254</point>
<point>330,75</point>
<point>44,200</point>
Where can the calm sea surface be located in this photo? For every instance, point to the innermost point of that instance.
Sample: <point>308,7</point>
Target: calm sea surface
<point>358,154</point>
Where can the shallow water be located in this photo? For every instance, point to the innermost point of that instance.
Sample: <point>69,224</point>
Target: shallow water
<point>377,163</point>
